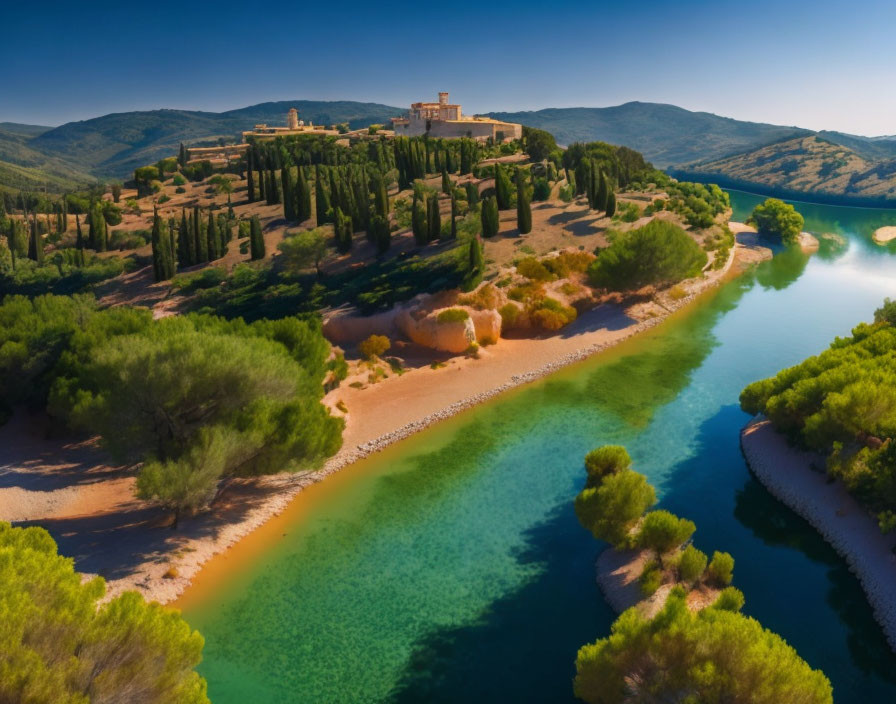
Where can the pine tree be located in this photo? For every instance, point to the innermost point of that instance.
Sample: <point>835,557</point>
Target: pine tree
<point>523,208</point>
<point>489,216</point>
<point>211,236</point>
<point>250,174</point>
<point>256,239</point>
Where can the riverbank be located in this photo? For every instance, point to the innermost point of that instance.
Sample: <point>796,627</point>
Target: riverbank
<point>126,540</point>
<point>789,475</point>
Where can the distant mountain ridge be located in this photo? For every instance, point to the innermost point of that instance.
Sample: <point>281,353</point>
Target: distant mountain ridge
<point>112,146</point>
<point>812,166</point>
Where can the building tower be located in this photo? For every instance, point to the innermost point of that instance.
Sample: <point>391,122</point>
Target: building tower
<point>443,98</point>
<point>292,119</point>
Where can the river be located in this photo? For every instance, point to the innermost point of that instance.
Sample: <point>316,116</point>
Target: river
<point>451,567</point>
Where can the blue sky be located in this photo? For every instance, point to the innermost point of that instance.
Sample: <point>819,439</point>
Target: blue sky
<point>822,64</point>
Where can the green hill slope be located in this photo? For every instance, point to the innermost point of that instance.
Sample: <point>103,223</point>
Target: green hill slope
<point>667,135</point>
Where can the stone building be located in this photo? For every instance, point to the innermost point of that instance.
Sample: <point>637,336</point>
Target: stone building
<point>293,126</point>
<point>444,119</point>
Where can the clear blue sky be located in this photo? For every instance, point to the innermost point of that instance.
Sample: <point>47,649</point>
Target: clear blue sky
<point>821,64</point>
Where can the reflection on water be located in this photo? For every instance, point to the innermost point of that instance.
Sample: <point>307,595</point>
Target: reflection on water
<point>453,568</point>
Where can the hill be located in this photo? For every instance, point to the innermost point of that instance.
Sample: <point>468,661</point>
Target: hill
<point>112,146</point>
<point>804,166</point>
<point>667,135</point>
<point>24,168</point>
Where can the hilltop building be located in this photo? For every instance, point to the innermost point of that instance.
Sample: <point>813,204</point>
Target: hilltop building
<point>444,119</point>
<point>293,126</point>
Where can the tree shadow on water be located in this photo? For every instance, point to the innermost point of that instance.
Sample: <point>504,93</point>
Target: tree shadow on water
<point>524,647</point>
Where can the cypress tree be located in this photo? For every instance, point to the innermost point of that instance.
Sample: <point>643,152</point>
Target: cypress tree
<point>472,194</point>
<point>446,182</point>
<point>289,197</point>
<point>611,204</point>
<point>250,174</point>
<point>64,215</point>
<point>211,236</point>
<point>168,264</point>
<point>98,228</point>
<point>256,239</point>
<point>199,238</point>
<point>434,219</point>
<point>184,257</point>
<point>382,236</point>
<point>321,198</point>
<point>182,155</point>
<point>475,264</point>
<point>418,218</point>
<point>343,230</point>
<point>35,243</point>
<point>273,191</point>
<point>523,208</point>
<point>172,244</point>
<point>502,187</point>
<point>157,252</point>
<point>489,217</point>
<point>302,196</point>
<point>259,164</point>
<point>380,197</point>
<point>600,200</point>
<point>453,217</point>
<point>79,240</point>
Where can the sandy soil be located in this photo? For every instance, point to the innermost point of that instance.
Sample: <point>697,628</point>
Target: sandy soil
<point>618,572</point>
<point>109,533</point>
<point>788,474</point>
<point>748,235</point>
<point>882,235</point>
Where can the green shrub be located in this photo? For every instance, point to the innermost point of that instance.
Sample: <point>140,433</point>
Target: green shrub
<point>509,315</point>
<point>691,564</point>
<point>533,270</point>
<point>721,569</point>
<point>659,253</point>
<point>662,531</point>
<point>549,314</point>
<point>606,460</point>
<point>452,315</point>
<point>374,346</point>
<point>775,217</point>
<point>730,599</point>
<point>610,510</point>
<point>180,189</point>
<point>651,578</point>
<point>179,180</point>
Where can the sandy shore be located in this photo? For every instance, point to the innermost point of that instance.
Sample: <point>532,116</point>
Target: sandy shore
<point>883,235</point>
<point>787,473</point>
<point>749,235</point>
<point>125,540</point>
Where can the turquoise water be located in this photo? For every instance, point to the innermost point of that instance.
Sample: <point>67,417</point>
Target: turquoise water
<point>452,567</point>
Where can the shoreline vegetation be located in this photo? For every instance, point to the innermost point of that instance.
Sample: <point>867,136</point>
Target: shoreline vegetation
<point>428,407</point>
<point>680,634</point>
<point>790,475</point>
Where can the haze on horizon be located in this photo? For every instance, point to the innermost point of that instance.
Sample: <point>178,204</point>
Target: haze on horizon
<point>809,64</point>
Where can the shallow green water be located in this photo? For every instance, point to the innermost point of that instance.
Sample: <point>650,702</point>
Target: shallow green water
<point>453,568</point>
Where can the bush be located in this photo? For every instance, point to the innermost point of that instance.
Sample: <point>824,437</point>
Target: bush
<point>374,346</point>
<point>604,461</point>
<point>662,531</point>
<point>452,315</point>
<point>730,599</point>
<point>179,180</point>
<point>567,262</point>
<point>509,315</point>
<point>651,578</point>
<point>721,569</point>
<point>180,189</point>
<point>549,314</point>
<point>164,198</point>
<point>660,253</point>
<point>775,217</point>
<point>691,564</point>
<point>533,270</point>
